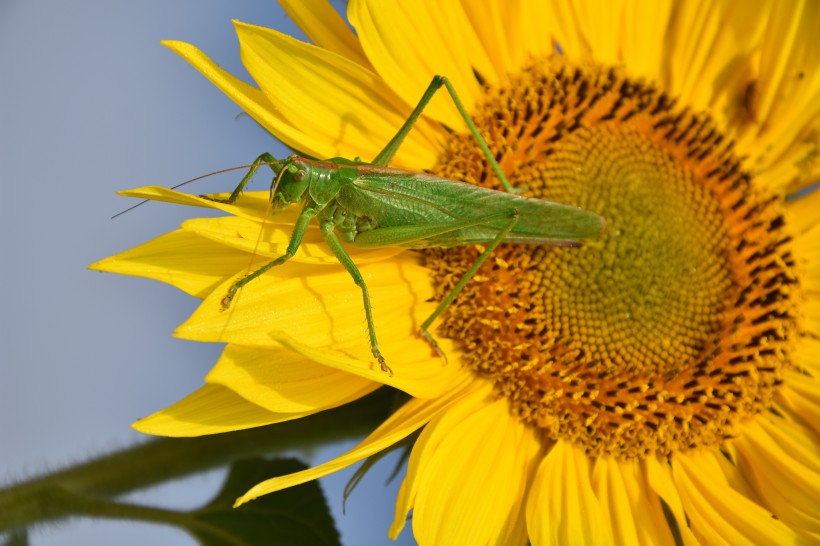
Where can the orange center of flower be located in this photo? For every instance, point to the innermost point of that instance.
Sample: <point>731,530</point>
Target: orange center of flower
<point>670,328</point>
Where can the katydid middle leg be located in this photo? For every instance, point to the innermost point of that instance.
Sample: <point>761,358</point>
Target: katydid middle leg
<point>386,155</point>
<point>398,235</point>
<point>326,227</point>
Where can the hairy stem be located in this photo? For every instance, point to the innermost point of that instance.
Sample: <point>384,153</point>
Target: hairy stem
<point>72,491</point>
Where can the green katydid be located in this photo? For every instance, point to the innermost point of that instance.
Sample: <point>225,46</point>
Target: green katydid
<point>371,205</point>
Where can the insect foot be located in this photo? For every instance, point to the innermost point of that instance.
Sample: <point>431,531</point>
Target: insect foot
<point>378,356</point>
<point>210,197</point>
<point>433,344</point>
<point>226,301</point>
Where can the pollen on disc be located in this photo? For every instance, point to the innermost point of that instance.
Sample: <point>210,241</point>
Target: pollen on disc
<point>669,329</point>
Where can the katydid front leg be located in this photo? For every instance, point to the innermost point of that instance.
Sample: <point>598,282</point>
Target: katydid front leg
<point>299,228</point>
<point>264,159</point>
<point>326,227</point>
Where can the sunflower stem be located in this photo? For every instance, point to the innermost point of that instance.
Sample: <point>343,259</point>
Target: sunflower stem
<point>81,489</point>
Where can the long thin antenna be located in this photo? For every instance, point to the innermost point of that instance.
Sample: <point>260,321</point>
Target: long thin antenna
<point>222,171</point>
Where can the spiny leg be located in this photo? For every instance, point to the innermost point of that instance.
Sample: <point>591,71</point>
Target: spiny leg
<point>386,155</point>
<point>296,236</point>
<point>264,159</point>
<point>499,238</point>
<point>344,258</point>
<point>399,235</point>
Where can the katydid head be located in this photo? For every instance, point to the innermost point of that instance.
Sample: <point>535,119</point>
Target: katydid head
<point>293,176</point>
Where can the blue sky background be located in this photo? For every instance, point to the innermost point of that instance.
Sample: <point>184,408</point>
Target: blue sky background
<point>91,103</point>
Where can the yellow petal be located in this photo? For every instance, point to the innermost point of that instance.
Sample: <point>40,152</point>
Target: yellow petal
<point>718,514</point>
<point>793,441</point>
<point>265,239</point>
<point>631,505</point>
<point>802,217</point>
<point>497,26</point>
<point>407,419</point>
<point>615,485</point>
<point>251,100</point>
<point>808,351</point>
<point>284,382</point>
<point>811,314</point>
<point>473,476</point>
<point>800,396</point>
<point>318,312</point>
<point>249,205</point>
<point>270,239</point>
<point>415,371</point>
<point>191,263</point>
<point>318,305</point>
<point>428,442</point>
<point>659,479</point>
<point>703,40</point>
<point>475,397</point>
<point>780,459</point>
<point>562,507</point>
<point>210,410</point>
<point>345,109</point>
<point>285,297</point>
<point>320,21</point>
<point>564,27</point>
<point>601,23</point>
<point>785,102</point>
<point>532,28</point>
<point>410,43</point>
<point>645,25</point>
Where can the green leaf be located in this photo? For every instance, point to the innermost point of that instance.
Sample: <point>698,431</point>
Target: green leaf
<point>406,445</point>
<point>15,538</point>
<point>294,517</point>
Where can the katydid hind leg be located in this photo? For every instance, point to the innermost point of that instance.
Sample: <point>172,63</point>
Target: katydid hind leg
<point>499,238</point>
<point>386,155</point>
<point>345,259</point>
<point>481,142</point>
<point>296,236</point>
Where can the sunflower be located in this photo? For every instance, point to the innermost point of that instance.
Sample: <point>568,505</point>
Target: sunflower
<point>659,384</point>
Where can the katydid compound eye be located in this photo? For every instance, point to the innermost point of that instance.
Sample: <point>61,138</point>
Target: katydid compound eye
<point>300,174</point>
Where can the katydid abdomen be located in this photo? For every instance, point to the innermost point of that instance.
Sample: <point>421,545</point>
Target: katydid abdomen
<point>394,201</point>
